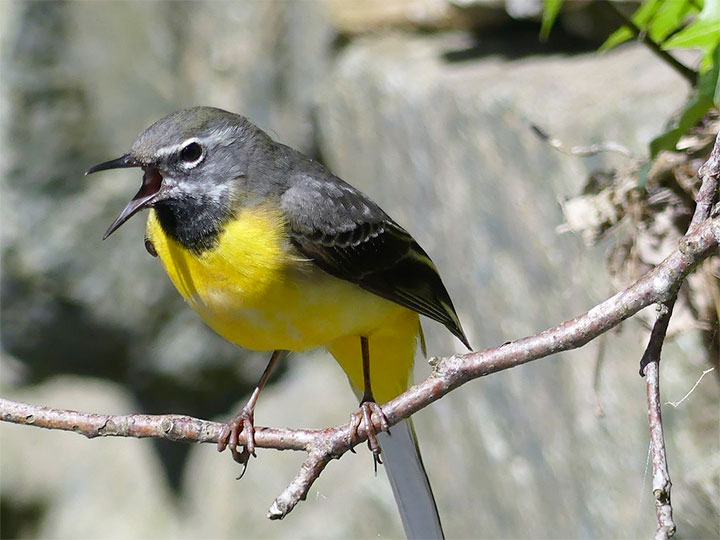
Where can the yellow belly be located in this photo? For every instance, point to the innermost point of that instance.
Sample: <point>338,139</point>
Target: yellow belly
<point>256,291</point>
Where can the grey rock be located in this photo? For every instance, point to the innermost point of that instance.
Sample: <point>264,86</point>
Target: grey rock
<point>81,488</point>
<point>83,81</point>
<point>80,82</point>
<point>445,148</point>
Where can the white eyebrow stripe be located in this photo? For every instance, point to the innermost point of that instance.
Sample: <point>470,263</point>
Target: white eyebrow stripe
<point>214,138</point>
<point>173,149</point>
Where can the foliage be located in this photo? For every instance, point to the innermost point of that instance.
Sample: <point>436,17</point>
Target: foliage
<point>705,97</point>
<point>551,8</point>
<point>647,204</point>
<point>671,25</point>
<point>702,33</point>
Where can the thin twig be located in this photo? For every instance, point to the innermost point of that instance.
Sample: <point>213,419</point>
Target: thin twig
<point>688,74</point>
<point>661,483</point>
<point>449,373</point>
<point>676,404</point>
<point>707,196</point>
<point>659,285</point>
<point>650,369</point>
<point>580,151</point>
<point>657,336</point>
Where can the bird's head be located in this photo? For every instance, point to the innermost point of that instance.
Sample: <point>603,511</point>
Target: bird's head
<point>190,156</point>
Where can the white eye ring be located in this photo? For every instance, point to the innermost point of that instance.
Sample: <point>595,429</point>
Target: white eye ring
<point>191,154</point>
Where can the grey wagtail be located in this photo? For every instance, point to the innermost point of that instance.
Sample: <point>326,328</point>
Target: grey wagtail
<point>276,253</point>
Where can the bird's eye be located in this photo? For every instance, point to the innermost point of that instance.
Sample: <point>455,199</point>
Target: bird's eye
<point>191,152</point>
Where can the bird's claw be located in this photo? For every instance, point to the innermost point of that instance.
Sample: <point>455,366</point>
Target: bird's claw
<point>229,437</point>
<point>374,420</point>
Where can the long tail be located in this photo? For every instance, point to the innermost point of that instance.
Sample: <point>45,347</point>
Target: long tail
<point>409,481</point>
<point>392,352</point>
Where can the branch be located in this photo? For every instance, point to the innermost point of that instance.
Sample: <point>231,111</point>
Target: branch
<point>580,151</point>
<point>650,369</point>
<point>657,336</point>
<point>688,74</point>
<point>676,404</point>
<point>707,195</point>
<point>173,427</point>
<point>650,362</point>
<point>659,285</point>
<point>661,483</point>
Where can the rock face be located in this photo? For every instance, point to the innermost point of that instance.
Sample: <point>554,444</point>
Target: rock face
<point>435,127</point>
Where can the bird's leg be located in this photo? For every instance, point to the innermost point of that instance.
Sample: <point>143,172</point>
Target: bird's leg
<point>243,422</point>
<point>368,408</point>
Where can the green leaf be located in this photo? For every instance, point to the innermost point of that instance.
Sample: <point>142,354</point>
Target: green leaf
<point>669,17</point>
<point>703,33</point>
<point>706,96</point>
<point>551,8</point>
<point>694,110</point>
<point>700,34</point>
<point>709,82</point>
<point>642,16</point>
<point>666,141</point>
<point>621,35</point>
<point>710,10</point>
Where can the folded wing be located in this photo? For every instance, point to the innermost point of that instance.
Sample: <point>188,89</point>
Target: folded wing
<point>352,238</point>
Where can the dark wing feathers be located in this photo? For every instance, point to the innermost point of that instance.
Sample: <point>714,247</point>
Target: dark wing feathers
<point>350,237</point>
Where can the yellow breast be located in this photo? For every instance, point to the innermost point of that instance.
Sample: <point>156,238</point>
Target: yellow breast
<point>255,290</point>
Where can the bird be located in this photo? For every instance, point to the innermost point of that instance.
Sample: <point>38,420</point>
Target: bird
<point>276,253</point>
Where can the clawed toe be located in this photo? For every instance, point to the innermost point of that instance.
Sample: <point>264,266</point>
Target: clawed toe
<point>230,438</point>
<point>373,418</point>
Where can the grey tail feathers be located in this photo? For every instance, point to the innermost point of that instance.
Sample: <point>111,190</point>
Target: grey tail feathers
<point>409,482</point>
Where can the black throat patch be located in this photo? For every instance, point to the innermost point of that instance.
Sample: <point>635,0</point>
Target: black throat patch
<point>195,225</point>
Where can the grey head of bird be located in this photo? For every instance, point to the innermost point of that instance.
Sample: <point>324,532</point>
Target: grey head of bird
<point>189,158</point>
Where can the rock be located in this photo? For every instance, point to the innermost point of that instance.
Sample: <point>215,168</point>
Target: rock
<point>74,487</point>
<point>370,16</point>
<point>82,82</point>
<point>447,149</point>
<point>435,128</point>
<point>106,308</point>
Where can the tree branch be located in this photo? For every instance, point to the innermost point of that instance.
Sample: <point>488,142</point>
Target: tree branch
<point>708,194</point>
<point>173,427</point>
<point>659,285</point>
<point>650,361</point>
<point>650,369</point>
<point>449,373</point>
<point>661,483</point>
<point>657,336</point>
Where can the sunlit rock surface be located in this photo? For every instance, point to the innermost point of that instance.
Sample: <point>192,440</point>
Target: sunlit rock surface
<point>435,127</point>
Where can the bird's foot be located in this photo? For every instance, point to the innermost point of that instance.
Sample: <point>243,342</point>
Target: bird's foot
<point>374,420</point>
<point>229,437</point>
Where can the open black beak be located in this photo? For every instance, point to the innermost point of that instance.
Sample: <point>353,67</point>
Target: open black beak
<point>123,162</point>
<point>151,188</point>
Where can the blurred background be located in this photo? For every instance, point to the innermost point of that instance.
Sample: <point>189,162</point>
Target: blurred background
<point>426,106</point>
